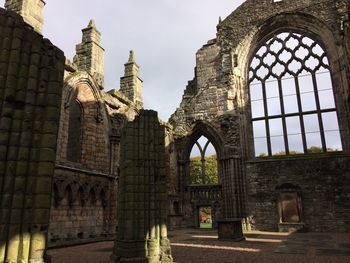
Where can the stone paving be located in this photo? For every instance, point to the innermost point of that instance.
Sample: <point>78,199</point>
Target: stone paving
<point>192,245</point>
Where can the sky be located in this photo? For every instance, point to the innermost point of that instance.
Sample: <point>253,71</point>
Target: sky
<point>164,34</point>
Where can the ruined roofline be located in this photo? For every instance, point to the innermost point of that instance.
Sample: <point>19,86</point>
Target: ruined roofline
<point>32,11</point>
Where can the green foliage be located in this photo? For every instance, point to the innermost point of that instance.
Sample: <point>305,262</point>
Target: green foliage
<point>211,170</point>
<point>312,149</point>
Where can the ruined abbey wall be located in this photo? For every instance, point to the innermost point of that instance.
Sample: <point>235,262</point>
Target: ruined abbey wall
<point>216,104</point>
<point>87,165</point>
<point>31,79</point>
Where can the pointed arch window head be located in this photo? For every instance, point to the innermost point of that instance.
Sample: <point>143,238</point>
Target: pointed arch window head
<point>291,96</point>
<point>203,163</point>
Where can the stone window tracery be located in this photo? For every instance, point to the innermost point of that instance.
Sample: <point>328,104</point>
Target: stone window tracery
<point>291,96</point>
<point>203,163</point>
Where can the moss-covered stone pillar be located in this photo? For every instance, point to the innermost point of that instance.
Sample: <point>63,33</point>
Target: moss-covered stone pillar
<point>31,80</point>
<point>142,193</point>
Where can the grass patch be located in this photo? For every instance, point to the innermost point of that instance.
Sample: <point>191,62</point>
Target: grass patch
<point>205,225</point>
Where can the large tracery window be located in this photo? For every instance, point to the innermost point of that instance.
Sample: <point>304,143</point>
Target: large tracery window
<point>291,95</point>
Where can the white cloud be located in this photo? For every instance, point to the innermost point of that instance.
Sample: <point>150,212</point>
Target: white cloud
<point>165,34</point>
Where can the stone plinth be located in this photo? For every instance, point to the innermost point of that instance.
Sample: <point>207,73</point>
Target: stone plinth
<point>291,227</point>
<point>230,229</point>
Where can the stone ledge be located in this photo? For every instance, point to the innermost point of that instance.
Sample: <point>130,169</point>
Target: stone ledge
<point>66,243</point>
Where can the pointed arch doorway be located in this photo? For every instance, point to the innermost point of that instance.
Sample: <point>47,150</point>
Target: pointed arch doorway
<point>204,184</point>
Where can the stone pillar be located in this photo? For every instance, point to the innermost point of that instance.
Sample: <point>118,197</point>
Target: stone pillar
<point>233,195</point>
<point>142,193</point>
<point>90,56</point>
<point>32,11</point>
<point>31,80</point>
<point>131,84</point>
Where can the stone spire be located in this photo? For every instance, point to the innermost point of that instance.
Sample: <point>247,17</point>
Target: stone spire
<point>89,53</point>
<point>32,11</point>
<point>131,84</point>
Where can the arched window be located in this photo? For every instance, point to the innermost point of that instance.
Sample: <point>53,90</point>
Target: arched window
<point>74,132</point>
<point>203,163</point>
<point>292,100</point>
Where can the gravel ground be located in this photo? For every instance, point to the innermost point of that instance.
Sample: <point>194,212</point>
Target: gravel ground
<point>192,245</point>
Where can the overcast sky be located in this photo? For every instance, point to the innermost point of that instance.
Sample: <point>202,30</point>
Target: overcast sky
<point>165,35</point>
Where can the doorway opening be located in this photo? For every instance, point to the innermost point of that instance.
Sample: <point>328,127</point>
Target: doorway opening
<point>205,217</point>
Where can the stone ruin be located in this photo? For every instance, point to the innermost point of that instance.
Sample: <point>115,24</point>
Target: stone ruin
<point>59,182</point>
<point>31,80</point>
<point>142,193</point>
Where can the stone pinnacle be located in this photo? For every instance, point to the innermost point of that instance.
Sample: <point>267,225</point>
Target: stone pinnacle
<point>131,56</point>
<point>92,24</point>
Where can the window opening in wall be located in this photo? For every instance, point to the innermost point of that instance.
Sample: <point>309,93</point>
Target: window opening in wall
<point>56,198</point>
<point>292,99</point>
<point>176,208</point>
<point>74,132</point>
<point>205,217</point>
<point>203,163</point>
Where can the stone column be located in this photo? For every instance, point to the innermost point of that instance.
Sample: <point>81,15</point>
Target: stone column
<point>31,80</point>
<point>233,197</point>
<point>142,193</point>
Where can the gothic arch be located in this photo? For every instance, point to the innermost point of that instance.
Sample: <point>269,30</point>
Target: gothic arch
<point>80,87</point>
<point>308,25</point>
<point>199,129</point>
<point>73,81</point>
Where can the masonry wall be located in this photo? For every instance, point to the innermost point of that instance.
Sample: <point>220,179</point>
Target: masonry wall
<point>82,207</point>
<point>325,188</point>
<point>216,104</point>
<point>31,77</point>
<point>84,201</point>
